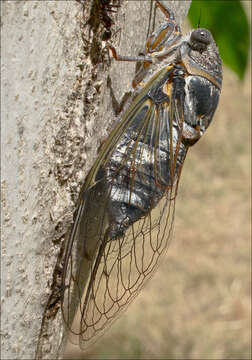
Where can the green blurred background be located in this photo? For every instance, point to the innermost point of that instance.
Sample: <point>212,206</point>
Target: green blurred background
<point>198,304</point>
<point>228,22</point>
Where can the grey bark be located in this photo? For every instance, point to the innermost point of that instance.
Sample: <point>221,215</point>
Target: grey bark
<point>55,109</point>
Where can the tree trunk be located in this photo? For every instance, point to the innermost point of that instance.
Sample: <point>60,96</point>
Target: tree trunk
<point>56,109</point>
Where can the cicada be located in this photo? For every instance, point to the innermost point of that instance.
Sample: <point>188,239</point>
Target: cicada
<point>125,213</point>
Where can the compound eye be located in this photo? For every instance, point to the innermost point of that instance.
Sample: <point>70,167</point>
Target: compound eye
<point>201,35</point>
<point>200,39</point>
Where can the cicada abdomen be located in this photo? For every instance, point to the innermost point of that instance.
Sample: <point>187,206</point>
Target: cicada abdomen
<point>126,208</point>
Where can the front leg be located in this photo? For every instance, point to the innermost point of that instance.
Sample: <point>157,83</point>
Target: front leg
<point>141,58</point>
<point>143,62</point>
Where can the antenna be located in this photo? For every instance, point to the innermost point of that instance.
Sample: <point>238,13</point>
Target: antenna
<point>199,19</point>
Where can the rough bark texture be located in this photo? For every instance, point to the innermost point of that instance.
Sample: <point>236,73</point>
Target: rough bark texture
<point>55,111</point>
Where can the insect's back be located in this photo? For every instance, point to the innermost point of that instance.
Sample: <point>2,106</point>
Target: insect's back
<point>126,208</point>
<point>127,217</point>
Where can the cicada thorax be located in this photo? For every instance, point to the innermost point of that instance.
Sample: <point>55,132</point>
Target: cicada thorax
<point>126,209</point>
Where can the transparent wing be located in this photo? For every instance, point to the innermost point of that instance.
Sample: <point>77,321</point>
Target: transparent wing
<point>125,217</point>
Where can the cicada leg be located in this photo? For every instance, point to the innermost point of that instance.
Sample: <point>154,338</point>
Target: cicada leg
<point>162,43</point>
<point>129,58</point>
<point>191,135</point>
<point>165,10</point>
<point>118,107</point>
